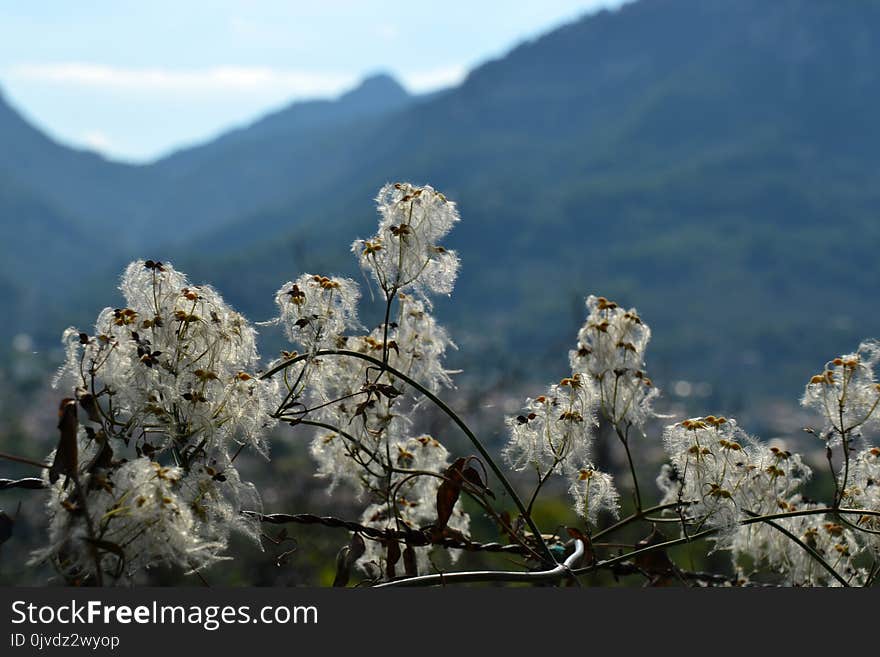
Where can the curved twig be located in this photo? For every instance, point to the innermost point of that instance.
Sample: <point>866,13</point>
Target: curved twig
<point>29,483</point>
<point>559,571</point>
<point>450,413</point>
<point>415,537</point>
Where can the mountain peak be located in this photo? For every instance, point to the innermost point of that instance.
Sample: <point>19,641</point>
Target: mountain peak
<point>377,89</point>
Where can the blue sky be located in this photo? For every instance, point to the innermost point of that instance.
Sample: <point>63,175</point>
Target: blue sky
<point>135,79</point>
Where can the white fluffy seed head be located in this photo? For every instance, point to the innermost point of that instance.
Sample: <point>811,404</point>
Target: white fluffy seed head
<point>611,350</point>
<point>846,393</point>
<point>172,373</point>
<point>762,544</point>
<point>315,310</point>
<point>420,345</point>
<point>555,431</point>
<point>134,517</point>
<point>724,474</point>
<point>405,253</point>
<point>593,492</point>
<point>862,491</point>
<point>178,359</point>
<point>414,503</point>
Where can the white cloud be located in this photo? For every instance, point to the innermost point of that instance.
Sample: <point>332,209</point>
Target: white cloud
<point>208,80</point>
<point>433,79</point>
<point>222,79</point>
<point>136,114</point>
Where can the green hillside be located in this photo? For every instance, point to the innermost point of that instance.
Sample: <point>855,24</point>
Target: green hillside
<point>713,162</point>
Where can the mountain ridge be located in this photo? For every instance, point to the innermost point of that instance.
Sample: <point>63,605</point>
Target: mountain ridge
<point>696,159</point>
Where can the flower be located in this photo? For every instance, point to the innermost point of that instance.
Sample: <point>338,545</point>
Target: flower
<point>593,492</point>
<point>846,393</point>
<point>554,434</point>
<point>413,504</point>
<point>405,253</point>
<point>315,310</point>
<point>761,543</point>
<point>346,393</point>
<point>611,350</point>
<point>171,377</point>
<point>132,517</point>
<point>862,491</point>
<point>418,344</point>
<point>725,475</point>
<point>555,431</point>
<point>176,359</point>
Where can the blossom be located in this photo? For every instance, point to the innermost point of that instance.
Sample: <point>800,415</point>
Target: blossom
<point>555,430</point>
<point>725,475</point>
<point>368,411</point>
<point>176,359</point>
<point>315,310</point>
<point>611,350</point>
<point>846,393</point>
<point>168,379</point>
<point>554,435</point>
<point>593,492</point>
<point>359,416</point>
<point>763,544</point>
<point>123,516</point>
<point>131,516</point>
<point>418,345</point>
<point>405,253</point>
<point>862,491</point>
<point>413,504</point>
<point>341,457</point>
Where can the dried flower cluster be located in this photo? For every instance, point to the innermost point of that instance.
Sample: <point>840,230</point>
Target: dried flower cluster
<point>611,352</point>
<point>167,391</point>
<point>726,473</point>
<point>364,412</point>
<point>556,430</point>
<point>314,310</point>
<point>728,479</point>
<point>405,253</point>
<point>846,393</point>
<point>170,394</point>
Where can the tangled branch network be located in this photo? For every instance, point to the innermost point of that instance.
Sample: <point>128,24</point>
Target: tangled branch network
<point>165,393</point>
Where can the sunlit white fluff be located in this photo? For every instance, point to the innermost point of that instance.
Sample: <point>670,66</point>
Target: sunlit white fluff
<point>405,253</point>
